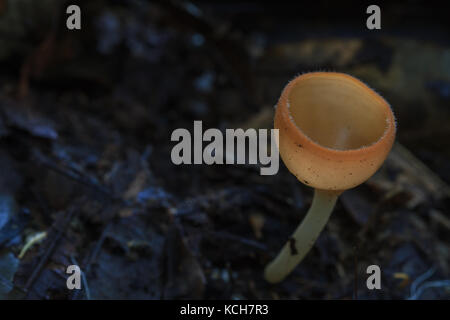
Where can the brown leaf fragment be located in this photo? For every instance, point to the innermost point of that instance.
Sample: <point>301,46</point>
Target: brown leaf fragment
<point>185,278</point>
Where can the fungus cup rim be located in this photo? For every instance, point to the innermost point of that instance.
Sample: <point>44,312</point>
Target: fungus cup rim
<point>383,143</point>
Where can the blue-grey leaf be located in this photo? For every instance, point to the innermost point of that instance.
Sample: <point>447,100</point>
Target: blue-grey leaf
<point>8,267</point>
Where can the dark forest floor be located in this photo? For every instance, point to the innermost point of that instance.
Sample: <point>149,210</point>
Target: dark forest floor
<point>85,125</point>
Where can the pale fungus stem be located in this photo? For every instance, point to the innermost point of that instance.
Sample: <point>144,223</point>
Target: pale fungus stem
<point>304,237</point>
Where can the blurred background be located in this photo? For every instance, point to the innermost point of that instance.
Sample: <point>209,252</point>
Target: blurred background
<point>86,177</point>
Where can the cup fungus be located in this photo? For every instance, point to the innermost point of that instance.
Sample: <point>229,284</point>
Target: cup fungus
<point>334,133</point>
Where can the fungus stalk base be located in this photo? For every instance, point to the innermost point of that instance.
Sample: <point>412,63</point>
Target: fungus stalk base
<point>304,236</point>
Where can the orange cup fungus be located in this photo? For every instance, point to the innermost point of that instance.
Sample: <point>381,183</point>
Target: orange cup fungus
<point>334,133</point>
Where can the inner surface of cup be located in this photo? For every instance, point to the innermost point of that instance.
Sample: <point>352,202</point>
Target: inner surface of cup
<point>338,112</point>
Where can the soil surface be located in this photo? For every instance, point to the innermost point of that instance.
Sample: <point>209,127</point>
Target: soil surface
<point>86,179</point>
